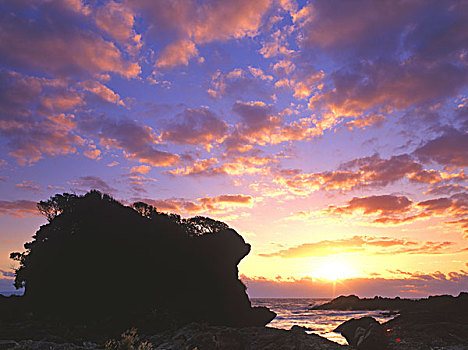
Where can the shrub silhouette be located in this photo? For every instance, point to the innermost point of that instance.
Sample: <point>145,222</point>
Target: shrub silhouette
<point>97,258</point>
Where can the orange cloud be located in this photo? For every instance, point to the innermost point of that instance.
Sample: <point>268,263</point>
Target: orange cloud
<point>238,166</point>
<point>382,205</point>
<point>404,284</point>
<point>142,169</point>
<point>361,244</point>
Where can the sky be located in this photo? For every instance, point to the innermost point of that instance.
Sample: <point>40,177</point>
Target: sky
<point>332,135</point>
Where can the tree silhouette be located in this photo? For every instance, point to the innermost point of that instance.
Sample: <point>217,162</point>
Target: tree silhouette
<point>97,258</point>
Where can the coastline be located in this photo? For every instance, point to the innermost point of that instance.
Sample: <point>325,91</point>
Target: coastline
<point>408,331</point>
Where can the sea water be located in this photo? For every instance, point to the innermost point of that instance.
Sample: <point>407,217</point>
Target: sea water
<point>297,311</point>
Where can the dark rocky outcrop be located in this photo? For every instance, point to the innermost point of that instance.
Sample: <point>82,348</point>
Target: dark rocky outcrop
<point>435,322</point>
<point>364,333</point>
<point>99,260</point>
<point>353,302</point>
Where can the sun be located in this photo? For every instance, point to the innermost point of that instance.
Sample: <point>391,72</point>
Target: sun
<point>335,269</point>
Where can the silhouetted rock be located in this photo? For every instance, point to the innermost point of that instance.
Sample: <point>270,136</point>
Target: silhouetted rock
<point>363,333</point>
<point>98,260</point>
<point>352,302</point>
<point>439,321</point>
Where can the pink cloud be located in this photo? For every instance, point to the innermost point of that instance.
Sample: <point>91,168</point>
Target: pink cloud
<point>190,24</point>
<point>86,183</point>
<point>56,42</point>
<point>196,127</point>
<point>118,21</point>
<point>177,53</point>
<point>20,208</point>
<point>396,55</point>
<point>450,149</point>
<point>135,139</point>
<point>240,82</point>
<point>30,141</point>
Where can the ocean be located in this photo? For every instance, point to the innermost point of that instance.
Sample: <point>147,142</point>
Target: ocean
<point>297,311</point>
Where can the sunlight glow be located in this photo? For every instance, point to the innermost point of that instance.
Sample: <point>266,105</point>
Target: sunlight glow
<point>336,269</point>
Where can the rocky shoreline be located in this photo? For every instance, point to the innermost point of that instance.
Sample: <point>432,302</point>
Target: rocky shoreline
<point>197,336</point>
<point>438,322</point>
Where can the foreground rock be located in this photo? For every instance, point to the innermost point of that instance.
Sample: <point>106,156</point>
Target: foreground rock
<point>200,337</point>
<point>430,329</point>
<point>364,333</point>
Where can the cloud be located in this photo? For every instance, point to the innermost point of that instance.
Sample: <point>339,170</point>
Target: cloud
<point>7,274</point>
<point>17,92</point>
<point>227,200</point>
<point>377,204</point>
<point>395,210</point>
<point>102,92</point>
<point>256,115</point>
<point>240,83</point>
<point>446,189</point>
<point>276,45</point>
<point>409,285</point>
<point>86,183</point>
<point>390,55</point>
<point>28,185</point>
<point>190,23</point>
<point>118,21</point>
<point>56,39</point>
<point>366,172</point>
<point>29,141</point>
<point>365,121</point>
<point>177,53</point>
<point>195,127</point>
<point>238,166</point>
<point>450,149</point>
<point>363,244</point>
<point>134,139</point>
<point>462,224</point>
<point>141,169</point>
<point>216,205</point>
<point>20,208</point>
<point>260,126</point>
